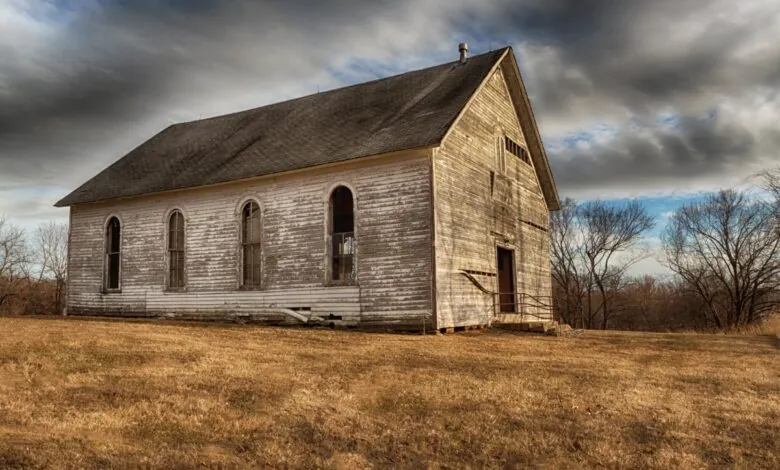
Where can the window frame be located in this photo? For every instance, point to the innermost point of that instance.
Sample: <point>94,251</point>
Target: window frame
<point>329,234</point>
<point>242,284</point>
<point>515,278</point>
<point>107,253</point>
<point>169,251</point>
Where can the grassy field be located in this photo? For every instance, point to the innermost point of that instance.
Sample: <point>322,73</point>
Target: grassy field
<point>85,394</point>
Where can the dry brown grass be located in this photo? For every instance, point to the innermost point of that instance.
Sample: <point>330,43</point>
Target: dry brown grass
<point>85,394</point>
<point>769,326</point>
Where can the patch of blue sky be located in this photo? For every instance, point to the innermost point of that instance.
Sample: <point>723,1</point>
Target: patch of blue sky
<point>355,71</point>
<point>54,11</point>
<point>660,207</point>
<point>668,120</point>
<point>599,133</point>
<point>572,140</point>
<point>360,70</point>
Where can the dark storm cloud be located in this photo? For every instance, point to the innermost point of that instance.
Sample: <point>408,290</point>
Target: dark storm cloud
<point>625,64</point>
<point>120,71</point>
<point>65,97</point>
<point>621,46</point>
<point>92,79</point>
<point>693,149</point>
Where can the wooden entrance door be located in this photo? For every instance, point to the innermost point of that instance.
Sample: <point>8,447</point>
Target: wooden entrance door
<point>506,280</point>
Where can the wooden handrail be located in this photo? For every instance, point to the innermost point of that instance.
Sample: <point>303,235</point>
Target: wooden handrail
<point>536,302</point>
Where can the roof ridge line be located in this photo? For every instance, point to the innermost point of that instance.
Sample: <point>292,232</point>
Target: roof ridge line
<point>302,132</point>
<point>333,90</point>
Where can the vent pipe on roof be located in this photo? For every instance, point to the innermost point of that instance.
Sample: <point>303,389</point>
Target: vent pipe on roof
<point>464,52</point>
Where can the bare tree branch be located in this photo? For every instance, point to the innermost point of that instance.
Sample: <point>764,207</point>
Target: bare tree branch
<point>593,245</point>
<point>728,249</point>
<point>612,230</point>
<point>51,243</point>
<point>14,259</point>
<point>566,250</point>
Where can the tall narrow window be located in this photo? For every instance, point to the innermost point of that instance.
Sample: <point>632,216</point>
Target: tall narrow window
<point>250,244</point>
<point>342,235</point>
<point>500,156</point>
<point>176,250</point>
<point>113,253</point>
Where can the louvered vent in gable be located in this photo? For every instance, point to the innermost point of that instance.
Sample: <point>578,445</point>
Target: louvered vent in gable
<point>517,150</point>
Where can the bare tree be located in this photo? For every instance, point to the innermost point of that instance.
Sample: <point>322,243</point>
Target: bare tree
<point>592,247</point>
<point>566,252</point>
<point>51,241</point>
<point>727,248</point>
<point>611,233</point>
<point>14,259</point>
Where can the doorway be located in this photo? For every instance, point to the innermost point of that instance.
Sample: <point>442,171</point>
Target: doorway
<point>506,280</point>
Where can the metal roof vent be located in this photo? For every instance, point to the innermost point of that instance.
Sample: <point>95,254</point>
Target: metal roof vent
<point>464,52</point>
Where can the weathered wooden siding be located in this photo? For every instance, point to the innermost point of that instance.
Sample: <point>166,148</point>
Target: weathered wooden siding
<point>472,220</point>
<point>393,230</point>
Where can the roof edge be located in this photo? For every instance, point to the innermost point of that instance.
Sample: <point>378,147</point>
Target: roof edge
<point>361,158</point>
<point>63,202</point>
<point>78,195</point>
<point>332,90</point>
<point>473,96</point>
<point>545,173</point>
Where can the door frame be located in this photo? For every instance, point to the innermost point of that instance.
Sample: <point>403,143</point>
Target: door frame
<point>513,252</point>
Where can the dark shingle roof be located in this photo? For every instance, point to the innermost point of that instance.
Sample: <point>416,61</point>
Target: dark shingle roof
<point>406,111</point>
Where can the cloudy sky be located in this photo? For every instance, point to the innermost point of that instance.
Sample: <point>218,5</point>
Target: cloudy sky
<point>654,99</point>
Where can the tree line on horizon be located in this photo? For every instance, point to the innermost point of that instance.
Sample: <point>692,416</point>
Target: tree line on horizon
<point>723,251</point>
<point>33,268</point>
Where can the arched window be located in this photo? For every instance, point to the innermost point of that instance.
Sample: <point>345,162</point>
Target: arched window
<point>342,235</point>
<point>113,260</point>
<point>250,244</point>
<point>176,250</point>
